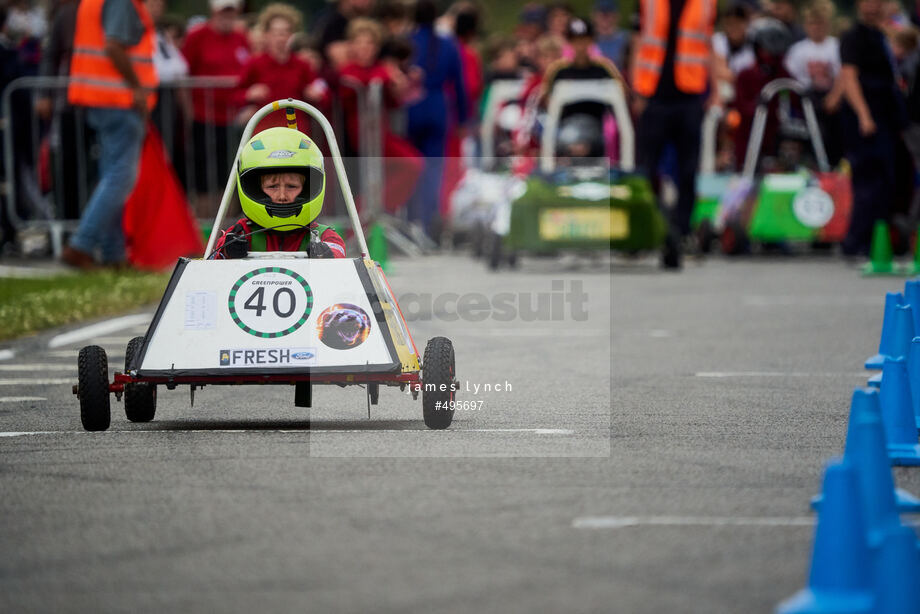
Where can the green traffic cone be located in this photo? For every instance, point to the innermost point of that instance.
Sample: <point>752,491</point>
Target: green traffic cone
<point>377,246</point>
<point>881,256</point>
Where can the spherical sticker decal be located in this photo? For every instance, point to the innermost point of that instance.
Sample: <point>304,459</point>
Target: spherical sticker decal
<point>813,207</point>
<point>343,326</point>
<point>270,302</point>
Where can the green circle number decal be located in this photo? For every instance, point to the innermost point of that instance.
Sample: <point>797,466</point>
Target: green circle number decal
<point>270,302</point>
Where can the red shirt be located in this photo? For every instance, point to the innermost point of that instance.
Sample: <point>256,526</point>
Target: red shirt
<point>281,241</point>
<point>364,75</point>
<point>472,73</point>
<point>288,80</point>
<point>210,53</point>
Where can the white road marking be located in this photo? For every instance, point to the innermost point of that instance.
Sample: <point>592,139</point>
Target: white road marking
<point>39,367</point>
<point>119,342</point>
<point>718,374</point>
<point>100,328</point>
<point>619,522</point>
<point>659,333</point>
<point>20,399</point>
<point>288,431</point>
<point>7,354</point>
<point>28,272</point>
<point>546,332</point>
<point>24,381</point>
<point>816,300</point>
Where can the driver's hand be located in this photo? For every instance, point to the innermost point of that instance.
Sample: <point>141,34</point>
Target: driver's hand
<point>235,246</point>
<point>318,249</point>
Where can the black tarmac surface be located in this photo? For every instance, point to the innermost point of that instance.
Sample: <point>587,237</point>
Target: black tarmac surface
<point>650,443</point>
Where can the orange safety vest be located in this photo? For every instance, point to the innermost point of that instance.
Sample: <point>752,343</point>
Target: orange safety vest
<point>692,54</point>
<point>94,80</point>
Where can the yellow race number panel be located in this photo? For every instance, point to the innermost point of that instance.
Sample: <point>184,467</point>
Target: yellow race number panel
<point>591,223</point>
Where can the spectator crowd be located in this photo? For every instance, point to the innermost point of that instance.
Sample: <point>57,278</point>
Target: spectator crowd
<point>436,64</point>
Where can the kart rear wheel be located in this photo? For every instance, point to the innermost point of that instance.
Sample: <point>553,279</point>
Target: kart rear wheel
<point>438,375</point>
<point>140,399</point>
<point>735,240</point>
<point>477,240</point>
<point>705,235</point>
<point>93,388</point>
<point>494,251</point>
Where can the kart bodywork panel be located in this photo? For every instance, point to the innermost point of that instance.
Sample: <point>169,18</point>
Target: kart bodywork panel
<point>566,210</point>
<point>278,316</point>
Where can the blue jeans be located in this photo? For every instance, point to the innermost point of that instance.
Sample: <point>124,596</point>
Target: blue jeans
<point>430,139</point>
<point>121,134</point>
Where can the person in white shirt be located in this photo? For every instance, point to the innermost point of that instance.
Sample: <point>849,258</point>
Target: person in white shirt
<point>815,61</point>
<point>732,49</point>
<point>731,43</point>
<point>168,60</point>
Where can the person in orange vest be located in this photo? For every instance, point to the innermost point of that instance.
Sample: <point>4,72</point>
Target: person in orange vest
<point>671,75</point>
<point>112,75</point>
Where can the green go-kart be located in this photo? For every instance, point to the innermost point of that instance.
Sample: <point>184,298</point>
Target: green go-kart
<point>578,204</point>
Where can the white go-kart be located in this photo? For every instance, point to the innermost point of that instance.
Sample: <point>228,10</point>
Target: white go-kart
<point>273,318</point>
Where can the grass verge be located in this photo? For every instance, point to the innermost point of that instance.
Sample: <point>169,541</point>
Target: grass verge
<point>30,305</point>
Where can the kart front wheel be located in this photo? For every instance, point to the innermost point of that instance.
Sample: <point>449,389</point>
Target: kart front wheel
<point>438,386</point>
<point>93,388</point>
<point>140,399</point>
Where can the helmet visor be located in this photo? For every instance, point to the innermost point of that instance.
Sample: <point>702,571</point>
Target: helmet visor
<point>313,185</point>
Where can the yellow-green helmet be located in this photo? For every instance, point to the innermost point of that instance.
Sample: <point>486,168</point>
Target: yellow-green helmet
<point>281,150</point>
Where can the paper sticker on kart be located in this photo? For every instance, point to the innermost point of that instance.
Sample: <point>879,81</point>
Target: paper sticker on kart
<point>282,317</point>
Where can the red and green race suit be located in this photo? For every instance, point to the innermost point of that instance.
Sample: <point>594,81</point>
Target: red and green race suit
<point>258,240</point>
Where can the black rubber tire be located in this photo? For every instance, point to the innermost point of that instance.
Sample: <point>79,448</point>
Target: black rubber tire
<point>140,399</point>
<point>705,235</point>
<point>495,251</point>
<point>438,371</point>
<point>93,388</point>
<point>477,240</point>
<point>735,240</point>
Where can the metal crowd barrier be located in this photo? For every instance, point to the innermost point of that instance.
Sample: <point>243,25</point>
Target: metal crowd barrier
<point>371,168</point>
<point>65,149</point>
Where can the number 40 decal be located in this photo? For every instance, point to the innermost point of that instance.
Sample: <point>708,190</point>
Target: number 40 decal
<point>255,302</point>
<point>270,302</point>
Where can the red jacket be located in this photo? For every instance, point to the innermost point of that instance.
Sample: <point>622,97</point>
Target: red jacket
<point>364,75</point>
<point>210,53</point>
<point>286,80</point>
<point>291,241</point>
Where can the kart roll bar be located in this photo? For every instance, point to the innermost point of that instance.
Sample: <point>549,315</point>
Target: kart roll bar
<point>710,130</point>
<point>500,92</point>
<point>755,142</point>
<point>314,113</point>
<point>607,91</point>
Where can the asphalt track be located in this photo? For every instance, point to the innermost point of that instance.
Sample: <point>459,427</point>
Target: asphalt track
<point>656,452</point>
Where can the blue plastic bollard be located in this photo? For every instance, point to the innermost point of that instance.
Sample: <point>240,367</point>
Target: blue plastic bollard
<point>840,579</point>
<point>913,376</point>
<point>866,452</point>
<point>897,573</point>
<point>912,297</point>
<point>892,300</point>
<point>868,455</point>
<point>898,414</point>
